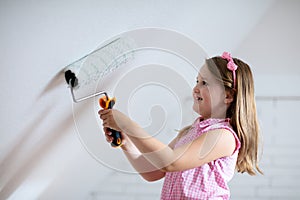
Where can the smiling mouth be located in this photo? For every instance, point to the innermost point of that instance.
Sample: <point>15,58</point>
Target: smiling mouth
<point>198,98</point>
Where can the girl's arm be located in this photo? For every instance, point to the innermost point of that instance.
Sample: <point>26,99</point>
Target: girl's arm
<point>137,160</point>
<point>206,148</point>
<point>141,164</point>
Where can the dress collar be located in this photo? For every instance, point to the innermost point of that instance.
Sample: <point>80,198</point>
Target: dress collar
<point>203,123</point>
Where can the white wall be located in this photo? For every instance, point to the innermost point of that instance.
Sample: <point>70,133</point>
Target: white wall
<point>41,156</point>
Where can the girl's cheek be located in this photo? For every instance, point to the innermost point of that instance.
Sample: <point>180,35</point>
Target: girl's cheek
<point>205,94</point>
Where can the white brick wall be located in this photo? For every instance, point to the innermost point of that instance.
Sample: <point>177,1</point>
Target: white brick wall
<point>120,185</point>
<point>280,162</point>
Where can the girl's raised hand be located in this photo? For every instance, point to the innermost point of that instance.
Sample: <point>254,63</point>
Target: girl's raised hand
<point>114,119</point>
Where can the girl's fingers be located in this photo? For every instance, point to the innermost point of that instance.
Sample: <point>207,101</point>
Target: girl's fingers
<point>105,116</point>
<point>107,133</point>
<point>105,130</point>
<point>104,112</point>
<point>105,124</point>
<point>109,139</point>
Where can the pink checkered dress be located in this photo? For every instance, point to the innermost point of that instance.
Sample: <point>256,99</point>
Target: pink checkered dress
<point>208,181</point>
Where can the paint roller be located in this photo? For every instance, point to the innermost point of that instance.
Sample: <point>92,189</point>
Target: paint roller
<point>99,63</point>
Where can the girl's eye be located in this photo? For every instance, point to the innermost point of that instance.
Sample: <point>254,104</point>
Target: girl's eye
<point>202,82</point>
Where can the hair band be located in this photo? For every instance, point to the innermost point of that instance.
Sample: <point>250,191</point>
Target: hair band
<point>230,65</point>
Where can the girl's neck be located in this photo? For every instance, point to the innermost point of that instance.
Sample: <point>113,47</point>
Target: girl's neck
<point>213,117</point>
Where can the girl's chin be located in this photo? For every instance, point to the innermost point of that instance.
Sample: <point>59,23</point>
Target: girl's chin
<point>196,108</point>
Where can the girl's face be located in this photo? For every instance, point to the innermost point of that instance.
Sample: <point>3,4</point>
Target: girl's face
<point>209,95</point>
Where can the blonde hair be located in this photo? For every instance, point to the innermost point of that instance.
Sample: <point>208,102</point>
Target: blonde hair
<point>242,111</point>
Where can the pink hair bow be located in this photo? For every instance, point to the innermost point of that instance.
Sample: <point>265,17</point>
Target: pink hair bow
<point>230,65</point>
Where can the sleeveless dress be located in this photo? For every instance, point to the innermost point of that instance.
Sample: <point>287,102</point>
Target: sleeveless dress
<point>208,181</point>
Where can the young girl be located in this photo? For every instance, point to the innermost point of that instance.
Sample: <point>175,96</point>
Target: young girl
<point>201,160</point>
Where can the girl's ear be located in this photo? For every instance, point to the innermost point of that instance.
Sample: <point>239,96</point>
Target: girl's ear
<point>229,97</point>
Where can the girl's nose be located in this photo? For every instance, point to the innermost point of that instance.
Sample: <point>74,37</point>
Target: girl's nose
<point>196,90</point>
